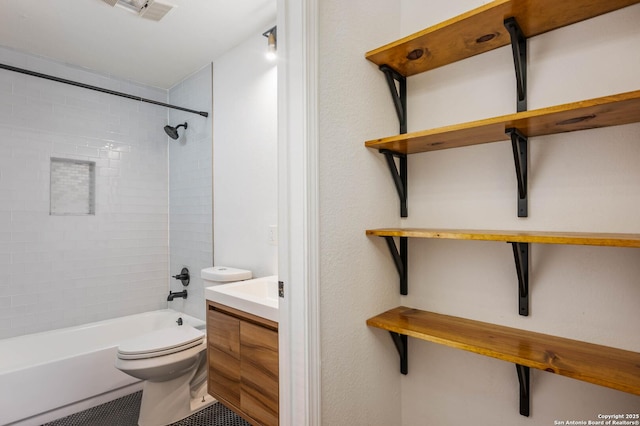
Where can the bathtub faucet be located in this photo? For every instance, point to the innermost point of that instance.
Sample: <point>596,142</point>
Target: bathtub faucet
<point>173,295</point>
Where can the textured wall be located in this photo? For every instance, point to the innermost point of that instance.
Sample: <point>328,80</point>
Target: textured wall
<point>360,381</point>
<point>58,271</point>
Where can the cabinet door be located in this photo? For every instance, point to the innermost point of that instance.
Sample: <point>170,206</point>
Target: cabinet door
<point>223,336</point>
<point>224,377</point>
<point>259,365</point>
<point>223,333</point>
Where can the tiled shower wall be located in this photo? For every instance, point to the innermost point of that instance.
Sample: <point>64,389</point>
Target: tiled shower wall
<point>58,271</point>
<point>190,189</point>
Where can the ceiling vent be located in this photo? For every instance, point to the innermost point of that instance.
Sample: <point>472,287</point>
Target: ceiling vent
<point>149,9</point>
<point>155,10</point>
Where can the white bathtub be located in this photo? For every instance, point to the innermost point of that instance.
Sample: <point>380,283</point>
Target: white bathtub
<point>44,376</point>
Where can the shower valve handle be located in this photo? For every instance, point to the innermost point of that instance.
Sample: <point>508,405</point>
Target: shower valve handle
<point>183,276</point>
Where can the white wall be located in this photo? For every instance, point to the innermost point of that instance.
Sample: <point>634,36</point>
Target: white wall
<point>360,382</point>
<point>584,181</point>
<point>58,271</point>
<point>190,189</point>
<point>245,158</point>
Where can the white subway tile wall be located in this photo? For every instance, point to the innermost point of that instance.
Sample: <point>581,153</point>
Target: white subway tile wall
<point>58,271</point>
<point>190,189</point>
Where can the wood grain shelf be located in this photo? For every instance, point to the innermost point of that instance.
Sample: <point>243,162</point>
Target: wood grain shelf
<point>606,366</point>
<point>606,111</point>
<point>520,241</point>
<point>572,238</point>
<point>482,29</point>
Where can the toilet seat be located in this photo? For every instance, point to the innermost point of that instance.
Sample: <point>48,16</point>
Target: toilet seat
<point>161,342</point>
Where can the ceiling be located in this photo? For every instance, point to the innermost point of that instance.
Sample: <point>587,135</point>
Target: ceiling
<point>92,34</point>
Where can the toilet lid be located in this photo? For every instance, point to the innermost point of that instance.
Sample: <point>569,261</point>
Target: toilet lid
<point>160,342</point>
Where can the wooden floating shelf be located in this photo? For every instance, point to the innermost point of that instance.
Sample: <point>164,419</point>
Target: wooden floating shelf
<point>606,111</point>
<point>482,29</point>
<point>520,240</point>
<point>573,238</point>
<point>614,368</point>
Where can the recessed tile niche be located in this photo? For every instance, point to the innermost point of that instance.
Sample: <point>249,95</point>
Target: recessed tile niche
<point>73,185</point>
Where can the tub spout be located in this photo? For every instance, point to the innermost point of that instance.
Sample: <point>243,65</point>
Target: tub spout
<point>173,295</point>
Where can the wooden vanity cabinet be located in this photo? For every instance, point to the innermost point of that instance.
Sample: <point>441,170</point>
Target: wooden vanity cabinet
<point>242,355</point>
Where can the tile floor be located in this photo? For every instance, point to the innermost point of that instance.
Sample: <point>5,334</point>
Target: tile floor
<point>124,412</point>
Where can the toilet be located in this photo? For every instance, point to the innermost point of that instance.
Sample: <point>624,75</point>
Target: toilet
<point>173,363</point>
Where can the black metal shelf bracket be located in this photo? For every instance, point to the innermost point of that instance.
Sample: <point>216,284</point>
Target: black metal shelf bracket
<point>400,260</point>
<point>521,257</point>
<point>398,88</point>
<point>399,176</point>
<point>520,146</point>
<point>398,94</point>
<point>519,48</point>
<point>401,342</point>
<point>525,384</point>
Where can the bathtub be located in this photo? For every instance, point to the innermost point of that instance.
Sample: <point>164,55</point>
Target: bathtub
<point>44,376</point>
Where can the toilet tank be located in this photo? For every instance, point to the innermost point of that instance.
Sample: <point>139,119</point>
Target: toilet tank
<point>217,275</point>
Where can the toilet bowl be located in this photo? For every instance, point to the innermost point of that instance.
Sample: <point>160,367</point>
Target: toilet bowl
<point>173,364</point>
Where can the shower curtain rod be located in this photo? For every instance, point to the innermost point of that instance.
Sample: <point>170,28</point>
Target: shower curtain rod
<point>98,89</point>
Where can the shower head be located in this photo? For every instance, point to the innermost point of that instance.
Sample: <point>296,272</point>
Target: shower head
<point>173,131</point>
